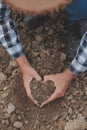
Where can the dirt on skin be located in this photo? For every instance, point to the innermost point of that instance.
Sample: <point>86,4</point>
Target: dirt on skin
<point>46,53</point>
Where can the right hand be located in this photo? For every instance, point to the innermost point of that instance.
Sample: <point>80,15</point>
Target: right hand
<point>61,81</point>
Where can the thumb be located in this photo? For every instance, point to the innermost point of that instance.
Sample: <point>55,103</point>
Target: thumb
<point>53,97</point>
<point>37,76</point>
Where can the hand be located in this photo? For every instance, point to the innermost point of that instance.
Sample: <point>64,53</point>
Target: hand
<point>28,75</point>
<point>61,82</point>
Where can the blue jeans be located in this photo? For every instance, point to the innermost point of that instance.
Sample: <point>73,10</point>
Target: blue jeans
<point>77,10</point>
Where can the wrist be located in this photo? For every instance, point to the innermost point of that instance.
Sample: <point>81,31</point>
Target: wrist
<point>23,63</point>
<point>69,75</point>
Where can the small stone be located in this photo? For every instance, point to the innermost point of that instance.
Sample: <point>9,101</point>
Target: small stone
<point>51,128</point>
<point>38,38</point>
<point>7,116</point>
<point>12,63</point>
<point>62,45</point>
<point>15,72</point>
<point>10,128</point>
<point>19,117</point>
<point>18,124</point>
<point>74,116</point>
<point>4,95</point>
<point>76,112</point>
<point>61,124</point>
<point>85,113</point>
<point>85,90</point>
<point>70,110</point>
<point>27,109</point>
<point>70,97</point>
<point>35,87</point>
<point>13,118</point>
<point>6,122</point>
<point>53,56</point>
<point>3,121</point>
<point>11,108</point>
<point>62,57</point>
<point>48,126</point>
<point>5,88</point>
<point>2,102</point>
<point>42,128</point>
<point>17,111</point>
<point>26,122</point>
<point>2,77</point>
<point>76,124</point>
<point>55,118</point>
<point>37,122</point>
<point>39,29</point>
<point>77,84</point>
<point>73,101</point>
<point>67,118</point>
<point>81,109</point>
<point>50,32</point>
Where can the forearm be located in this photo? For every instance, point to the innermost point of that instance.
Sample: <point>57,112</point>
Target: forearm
<point>23,63</point>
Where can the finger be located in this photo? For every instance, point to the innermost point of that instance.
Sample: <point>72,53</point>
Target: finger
<point>35,101</point>
<point>53,97</point>
<point>28,91</point>
<point>37,76</point>
<point>48,77</point>
<point>31,97</point>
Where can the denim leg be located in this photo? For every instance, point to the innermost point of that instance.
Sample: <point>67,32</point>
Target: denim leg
<point>77,10</point>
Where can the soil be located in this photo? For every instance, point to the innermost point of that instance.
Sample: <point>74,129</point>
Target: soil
<point>42,91</point>
<point>45,49</point>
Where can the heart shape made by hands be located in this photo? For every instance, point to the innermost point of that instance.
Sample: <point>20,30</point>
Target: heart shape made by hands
<point>41,91</point>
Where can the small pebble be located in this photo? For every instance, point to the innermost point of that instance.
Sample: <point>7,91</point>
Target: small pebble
<point>11,108</point>
<point>18,124</point>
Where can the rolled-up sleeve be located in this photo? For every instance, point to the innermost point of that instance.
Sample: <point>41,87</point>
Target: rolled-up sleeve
<point>79,63</point>
<point>10,39</point>
<point>15,51</point>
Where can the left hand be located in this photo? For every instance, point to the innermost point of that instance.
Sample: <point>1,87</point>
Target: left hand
<point>61,82</point>
<point>27,78</point>
<point>28,74</point>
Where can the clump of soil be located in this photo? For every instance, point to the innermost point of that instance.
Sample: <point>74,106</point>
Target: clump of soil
<point>42,91</point>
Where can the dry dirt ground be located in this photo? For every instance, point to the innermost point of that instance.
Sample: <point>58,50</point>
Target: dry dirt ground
<point>46,52</point>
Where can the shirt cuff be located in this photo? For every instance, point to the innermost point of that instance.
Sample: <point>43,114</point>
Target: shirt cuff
<point>15,51</point>
<point>77,68</point>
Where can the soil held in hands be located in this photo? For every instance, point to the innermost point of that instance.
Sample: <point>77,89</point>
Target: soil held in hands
<point>42,91</point>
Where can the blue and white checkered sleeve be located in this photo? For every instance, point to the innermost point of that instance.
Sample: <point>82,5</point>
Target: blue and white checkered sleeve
<point>10,39</point>
<point>79,63</point>
<point>15,51</point>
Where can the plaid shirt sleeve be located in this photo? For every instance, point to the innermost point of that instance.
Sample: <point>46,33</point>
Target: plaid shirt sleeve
<point>9,37</point>
<point>79,63</point>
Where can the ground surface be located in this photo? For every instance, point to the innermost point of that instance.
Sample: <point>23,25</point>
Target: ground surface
<point>46,52</point>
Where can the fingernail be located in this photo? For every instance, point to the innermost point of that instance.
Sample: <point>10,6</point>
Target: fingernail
<point>41,105</point>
